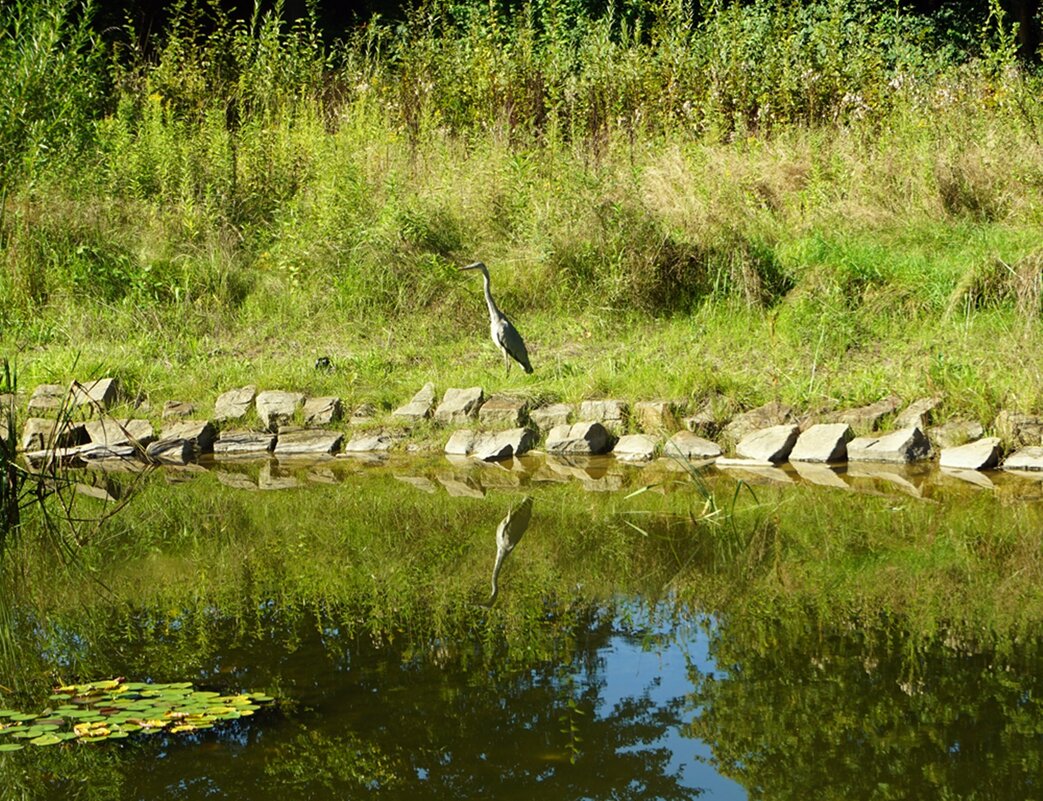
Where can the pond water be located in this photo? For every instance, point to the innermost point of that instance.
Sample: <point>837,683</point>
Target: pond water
<point>665,636</point>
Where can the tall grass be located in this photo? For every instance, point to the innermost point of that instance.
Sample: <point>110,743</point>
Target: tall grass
<point>835,167</point>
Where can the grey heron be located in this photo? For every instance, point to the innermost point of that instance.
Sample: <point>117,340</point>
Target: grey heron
<point>505,335</point>
<point>508,533</point>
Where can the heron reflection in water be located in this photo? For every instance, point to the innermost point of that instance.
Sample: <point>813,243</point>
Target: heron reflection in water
<point>508,533</point>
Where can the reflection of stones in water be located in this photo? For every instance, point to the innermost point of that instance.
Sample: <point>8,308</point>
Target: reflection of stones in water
<point>272,477</point>
<point>461,486</point>
<point>323,475</point>
<point>819,474</point>
<point>1020,485</point>
<point>499,475</point>
<point>235,480</point>
<point>756,474</point>
<point>422,483</point>
<point>103,491</point>
<point>867,476</point>
<point>609,483</point>
<point>371,458</point>
<point>183,473</point>
<point>974,478</point>
<point>508,535</point>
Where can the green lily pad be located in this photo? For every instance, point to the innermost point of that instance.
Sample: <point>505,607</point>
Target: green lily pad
<point>94,739</point>
<point>8,713</point>
<point>21,717</point>
<point>11,747</point>
<point>46,739</point>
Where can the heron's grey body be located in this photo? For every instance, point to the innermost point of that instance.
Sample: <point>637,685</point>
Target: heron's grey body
<point>505,336</point>
<point>508,533</point>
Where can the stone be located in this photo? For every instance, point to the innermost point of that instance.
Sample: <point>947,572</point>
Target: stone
<point>866,418</point>
<point>277,408</point>
<point>955,432</point>
<point>1019,429</point>
<point>178,410</point>
<point>108,431</point>
<point>766,416</point>
<point>234,404</point>
<point>1030,458</point>
<point>100,393</point>
<point>369,443</point>
<point>176,450</point>
<point>979,455</point>
<point>612,414</point>
<point>490,446</point>
<point>459,405</point>
<point>494,447</point>
<point>419,408</point>
<point>461,442</point>
<point>307,441</point>
<point>689,446</point>
<point>655,417</point>
<point>771,444</point>
<point>321,411</point>
<point>239,443</point>
<point>825,442</point>
<point>201,433</point>
<point>635,448</point>
<point>501,409</point>
<point>40,434</point>
<point>917,413</point>
<point>363,413</point>
<point>47,398</point>
<point>546,417</point>
<point>587,438</point>
<point>422,483</point>
<point>904,445</point>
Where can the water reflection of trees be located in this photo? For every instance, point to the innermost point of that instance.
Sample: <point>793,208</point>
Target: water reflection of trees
<point>800,710</point>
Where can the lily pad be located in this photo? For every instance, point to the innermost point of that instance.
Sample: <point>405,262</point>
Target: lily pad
<point>11,747</point>
<point>46,739</point>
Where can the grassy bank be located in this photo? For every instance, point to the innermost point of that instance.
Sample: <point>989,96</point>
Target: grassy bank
<point>820,205</point>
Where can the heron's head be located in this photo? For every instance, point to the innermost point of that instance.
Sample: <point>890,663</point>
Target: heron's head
<point>475,266</point>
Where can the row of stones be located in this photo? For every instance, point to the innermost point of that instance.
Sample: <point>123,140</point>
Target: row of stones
<point>756,442</point>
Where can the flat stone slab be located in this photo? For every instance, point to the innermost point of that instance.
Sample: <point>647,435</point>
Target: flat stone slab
<point>825,442</point>
<point>41,433</point>
<point>108,431</point>
<point>655,417</point>
<point>235,403</point>
<point>178,410</point>
<point>419,408</point>
<point>277,408</point>
<point>979,455</point>
<point>503,409</point>
<point>46,398</point>
<point>307,441</point>
<point>459,405</point>
<point>897,447</point>
<point>490,446</point>
<point>917,413</point>
<point>955,432</point>
<point>768,415</point>
<point>1030,458</point>
<point>101,392</point>
<point>610,413</point>
<point>322,411</point>
<point>865,418</point>
<point>689,446</point>
<point>635,448</point>
<point>588,438</point>
<point>174,450</point>
<point>201,433</point>
<point>546,417</point>
<point>769,444</point>
<point>370,443</point>
<point>239,443</point>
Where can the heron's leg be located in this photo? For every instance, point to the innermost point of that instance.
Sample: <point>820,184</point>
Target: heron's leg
<point>506,361</point>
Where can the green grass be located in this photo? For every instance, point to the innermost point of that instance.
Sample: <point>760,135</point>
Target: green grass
<point>662,216</point>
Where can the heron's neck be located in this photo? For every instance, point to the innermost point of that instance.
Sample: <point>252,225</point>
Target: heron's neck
<point>494,312</point>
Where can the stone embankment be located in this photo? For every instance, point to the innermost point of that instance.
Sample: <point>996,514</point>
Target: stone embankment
<point>77,424</point>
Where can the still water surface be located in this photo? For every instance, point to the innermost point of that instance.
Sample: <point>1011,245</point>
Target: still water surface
<point>632,650</point>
